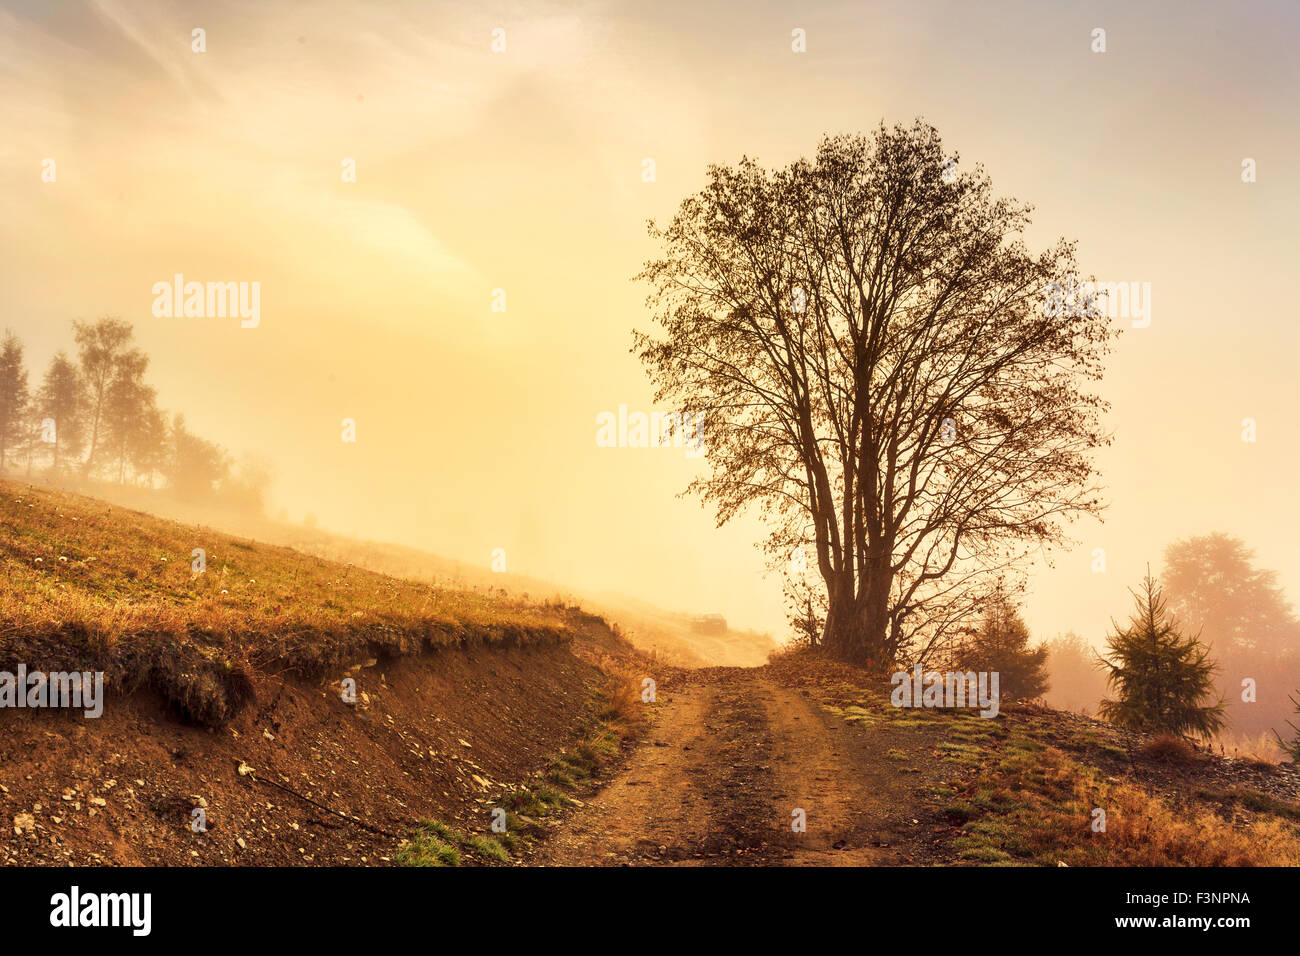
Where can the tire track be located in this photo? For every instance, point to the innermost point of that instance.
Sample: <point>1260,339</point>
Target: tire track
<point>728,759</point>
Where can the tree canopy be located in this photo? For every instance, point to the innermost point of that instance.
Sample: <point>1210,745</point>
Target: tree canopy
<point>868,340</point>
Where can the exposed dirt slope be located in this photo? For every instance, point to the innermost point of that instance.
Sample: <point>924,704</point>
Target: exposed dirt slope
<point>439,735</point>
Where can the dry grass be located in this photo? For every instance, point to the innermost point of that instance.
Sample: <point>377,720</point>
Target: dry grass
<point>624,704</point>
<point>1036,805</point>
<point>1260,749</point>
<point>1143,830</point>
<point>91,586</point>
<point>1168,748</point>
<point>625,701</point>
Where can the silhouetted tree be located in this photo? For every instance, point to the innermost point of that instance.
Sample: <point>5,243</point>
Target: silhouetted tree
<point>1161,677</point>
<point>1001,643</point>
<point>105,353</point>
<point>13,395</point>
<point>62,399</point>
<point>126,405</point>
<point>870,346</point>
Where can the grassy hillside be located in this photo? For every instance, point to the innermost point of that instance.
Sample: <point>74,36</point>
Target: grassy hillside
<point>93,586</point>
<point>666,634</point>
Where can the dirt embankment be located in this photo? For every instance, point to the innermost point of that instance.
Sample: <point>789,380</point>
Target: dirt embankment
<point>434,735</point>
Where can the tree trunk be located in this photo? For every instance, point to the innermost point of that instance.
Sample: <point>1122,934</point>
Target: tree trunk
<point>857,627</point>
<point>842,634</point>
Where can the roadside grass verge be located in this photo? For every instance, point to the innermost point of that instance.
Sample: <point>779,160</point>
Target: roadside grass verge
<point>1035,804</point>
<point>1027,788</point>
<point>436,844</point>
<point>527,805</point>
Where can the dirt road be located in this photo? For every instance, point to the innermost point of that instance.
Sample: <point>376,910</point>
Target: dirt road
<point>729,759</point>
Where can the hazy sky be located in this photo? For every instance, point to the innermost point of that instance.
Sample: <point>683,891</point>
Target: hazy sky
<point>522,170</point>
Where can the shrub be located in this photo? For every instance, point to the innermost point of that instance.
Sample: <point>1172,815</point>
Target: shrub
<point>1161,677</point>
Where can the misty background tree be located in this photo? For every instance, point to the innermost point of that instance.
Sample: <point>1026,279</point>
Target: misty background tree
<point>13,395</point>
<point>106,355</point>
<point>129,404</point>
<point>1243,615</point>
<point>61,398</point>
<point>131,440</point>
<point>1001,643</point>
<point>869,342</point>
<point>197,466</point>
<point>1076,683</point>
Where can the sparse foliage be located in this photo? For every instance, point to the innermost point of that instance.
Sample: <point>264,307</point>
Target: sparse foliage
<point>106,357</point>
<point>866,338</point>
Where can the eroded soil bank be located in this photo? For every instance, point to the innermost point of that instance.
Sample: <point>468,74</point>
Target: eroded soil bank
<point>434,735</point>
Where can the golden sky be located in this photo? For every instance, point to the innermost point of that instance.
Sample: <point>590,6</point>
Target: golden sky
<point>522,170</point>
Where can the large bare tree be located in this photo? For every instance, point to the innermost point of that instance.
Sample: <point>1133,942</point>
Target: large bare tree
<point>881,373</point>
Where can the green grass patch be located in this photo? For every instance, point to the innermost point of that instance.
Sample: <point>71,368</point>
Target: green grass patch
<point>432,844</point>
<point>435,844</point>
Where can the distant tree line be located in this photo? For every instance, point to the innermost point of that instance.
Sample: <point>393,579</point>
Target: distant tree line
<point>94,418</point>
